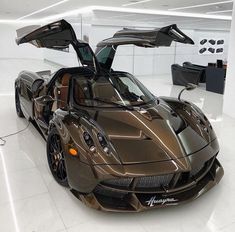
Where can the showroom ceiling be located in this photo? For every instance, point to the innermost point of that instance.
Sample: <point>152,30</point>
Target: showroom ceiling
<point>200,12</point>
<point>129,19</point>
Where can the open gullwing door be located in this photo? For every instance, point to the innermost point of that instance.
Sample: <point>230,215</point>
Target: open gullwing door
<point>57,35</point>
<point>160,37</point>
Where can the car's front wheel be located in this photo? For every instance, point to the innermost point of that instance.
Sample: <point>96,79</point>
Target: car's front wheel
<point>17,104</point>
<point>55,156</point>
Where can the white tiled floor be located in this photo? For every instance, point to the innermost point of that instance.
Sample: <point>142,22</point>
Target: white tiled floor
<point>31,201</point>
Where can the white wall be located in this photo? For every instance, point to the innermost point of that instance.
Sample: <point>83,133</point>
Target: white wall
<point>190,53</point>
<point>229,97</point>
<point>8,47</point>
<point>61,58</point>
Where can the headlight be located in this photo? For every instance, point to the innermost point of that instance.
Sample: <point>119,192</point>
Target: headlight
<point>103,142</point>
<point>89,141</point>
<point>97,147</point>
<point>91,144</point>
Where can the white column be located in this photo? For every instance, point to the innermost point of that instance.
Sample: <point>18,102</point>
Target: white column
<point>229,98</point>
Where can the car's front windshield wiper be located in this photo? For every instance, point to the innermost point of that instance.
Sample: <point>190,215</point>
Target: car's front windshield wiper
<point>146,102</point>
<point>112,103</point>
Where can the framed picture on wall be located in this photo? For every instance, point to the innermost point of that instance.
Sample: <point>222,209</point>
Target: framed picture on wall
<point>211,46</point>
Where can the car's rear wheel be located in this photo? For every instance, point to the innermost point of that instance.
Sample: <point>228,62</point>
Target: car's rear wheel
<point>17,104</point>
<point>55,156</point>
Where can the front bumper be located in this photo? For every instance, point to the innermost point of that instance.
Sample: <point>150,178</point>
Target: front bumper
<point>134,200</point>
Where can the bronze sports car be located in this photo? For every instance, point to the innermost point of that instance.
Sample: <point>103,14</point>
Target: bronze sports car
<point>109,139</point>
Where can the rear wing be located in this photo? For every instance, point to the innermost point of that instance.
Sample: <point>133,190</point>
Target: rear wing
<point>160,37</point>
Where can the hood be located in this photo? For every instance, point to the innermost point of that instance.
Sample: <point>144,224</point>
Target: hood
<point>156,133</point>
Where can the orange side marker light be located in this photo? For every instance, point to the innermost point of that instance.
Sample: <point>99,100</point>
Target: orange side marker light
<point>73,152</point>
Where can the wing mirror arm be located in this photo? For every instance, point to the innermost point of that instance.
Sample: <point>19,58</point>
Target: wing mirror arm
<point>68,108</point>
<point>43,100</point>
<point>188,87</point>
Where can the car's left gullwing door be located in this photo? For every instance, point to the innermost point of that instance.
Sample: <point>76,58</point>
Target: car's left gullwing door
<point>57,35</point>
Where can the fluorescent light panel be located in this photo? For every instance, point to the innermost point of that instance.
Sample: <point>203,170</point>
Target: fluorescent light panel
<point>135,3</point>
<point>24,21</point>
<point>201,5</point>
<point>43,9</point>
<point>82,10</point>
<point>136,11</point>
<point>90,9</point>
<point>219,11</point>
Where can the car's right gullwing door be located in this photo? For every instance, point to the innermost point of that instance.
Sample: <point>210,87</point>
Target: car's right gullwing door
<point>160,37</point>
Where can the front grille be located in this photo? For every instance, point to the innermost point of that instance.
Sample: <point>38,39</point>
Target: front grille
<point>140,182</point>
<point>118,182</point>
<point>159,183</point>
<point>153,181</point>
<point>196,170</point>
<point>109,193</point>
<point>199,169</point>
<point>112,199</point>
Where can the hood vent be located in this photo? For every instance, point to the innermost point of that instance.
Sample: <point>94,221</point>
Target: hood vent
<point>177,123</point>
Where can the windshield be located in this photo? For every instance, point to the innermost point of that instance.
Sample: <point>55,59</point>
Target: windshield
<point>117,89</point>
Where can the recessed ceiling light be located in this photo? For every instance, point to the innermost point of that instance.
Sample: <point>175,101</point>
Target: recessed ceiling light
<point>200,5</point>
<point>43,9</point>
<point>136,2</point>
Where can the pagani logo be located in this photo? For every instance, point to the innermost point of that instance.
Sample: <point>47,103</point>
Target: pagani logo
<point>153,201</point>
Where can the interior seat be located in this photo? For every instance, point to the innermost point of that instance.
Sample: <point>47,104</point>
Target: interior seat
<point>79,94</point>
<point>104,90</point>
<point>61,91</point>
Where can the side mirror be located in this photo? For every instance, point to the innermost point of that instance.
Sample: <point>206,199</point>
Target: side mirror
<point>36,85</point>
<point>188,87</point>
<point>44,100</point>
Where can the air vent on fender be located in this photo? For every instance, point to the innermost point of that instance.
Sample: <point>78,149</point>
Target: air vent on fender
<point>177,123</point>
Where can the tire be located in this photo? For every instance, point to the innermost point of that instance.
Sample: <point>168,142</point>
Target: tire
<point>55,157</point>
<point>17,105</point>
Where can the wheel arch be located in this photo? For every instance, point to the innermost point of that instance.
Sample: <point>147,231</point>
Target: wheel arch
<point>81,176</point>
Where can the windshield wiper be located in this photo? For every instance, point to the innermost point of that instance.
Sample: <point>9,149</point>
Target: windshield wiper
<point>147,102</point>
<point>112,103</point>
